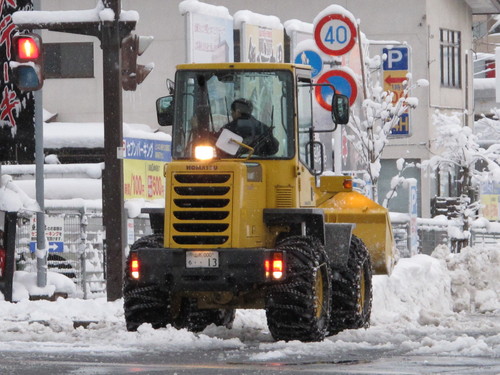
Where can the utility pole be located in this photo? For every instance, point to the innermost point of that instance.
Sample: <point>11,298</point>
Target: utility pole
<point>112,179</point>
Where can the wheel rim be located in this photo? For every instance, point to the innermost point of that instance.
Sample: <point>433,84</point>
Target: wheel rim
<point>362,292</point>
<point>319,293</point>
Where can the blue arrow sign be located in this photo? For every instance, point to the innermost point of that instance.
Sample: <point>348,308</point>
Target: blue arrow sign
<point>54,247</point>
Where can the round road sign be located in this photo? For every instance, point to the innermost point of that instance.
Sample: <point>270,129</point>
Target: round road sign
<point>311,58</point>
<point>335,34</point>
<point>343,82</point>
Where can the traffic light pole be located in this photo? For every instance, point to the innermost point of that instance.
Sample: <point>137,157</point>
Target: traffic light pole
<point>112,179</point>
<point>111,34</point>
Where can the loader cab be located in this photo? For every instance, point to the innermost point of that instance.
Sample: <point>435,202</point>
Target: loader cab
<point>202,110</point>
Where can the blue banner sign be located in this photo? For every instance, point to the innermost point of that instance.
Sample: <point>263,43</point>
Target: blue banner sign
<point>147,149</point>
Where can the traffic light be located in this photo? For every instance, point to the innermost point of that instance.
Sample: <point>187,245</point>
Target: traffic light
<point>27,65</point>
<point>132,73</point>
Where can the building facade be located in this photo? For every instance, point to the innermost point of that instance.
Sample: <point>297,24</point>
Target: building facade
<point>438,32</point>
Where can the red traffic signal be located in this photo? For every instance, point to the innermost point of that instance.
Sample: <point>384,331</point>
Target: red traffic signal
<point>28,48</point>
<point>28,61</point>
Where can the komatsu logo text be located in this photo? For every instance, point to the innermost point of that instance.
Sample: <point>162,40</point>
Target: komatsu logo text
<point>201,167</point>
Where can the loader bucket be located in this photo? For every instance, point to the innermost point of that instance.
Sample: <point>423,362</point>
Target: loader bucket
<point>372,225</point>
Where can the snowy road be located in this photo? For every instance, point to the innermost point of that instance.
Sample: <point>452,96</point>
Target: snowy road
<point>434,315</point>
<point>463,344</point>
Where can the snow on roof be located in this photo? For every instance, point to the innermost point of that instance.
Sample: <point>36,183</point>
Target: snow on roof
<point>91,134</point>
<point>297,25</point>
<point>246,16</point>
<point>13,198</point>
<point>93,170</point>
<point>98,14</point>
<point>484,83</point>
<point>194,6</point>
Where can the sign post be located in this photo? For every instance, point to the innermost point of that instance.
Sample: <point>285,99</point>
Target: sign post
<point>8,221</point>
<point>335,34</point>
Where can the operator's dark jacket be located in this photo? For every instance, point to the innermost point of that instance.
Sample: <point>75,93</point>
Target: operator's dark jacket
<point>255,134</point>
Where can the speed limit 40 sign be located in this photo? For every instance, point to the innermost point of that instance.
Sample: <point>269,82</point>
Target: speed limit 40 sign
<point>335,34</point>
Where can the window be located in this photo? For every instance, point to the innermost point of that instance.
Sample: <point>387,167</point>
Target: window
<point>304,110</point>
<point>203,108</point>
<point>69,60</point>
<point>451,68</point>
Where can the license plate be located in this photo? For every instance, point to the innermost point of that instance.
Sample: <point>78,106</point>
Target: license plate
<point>202,259</point>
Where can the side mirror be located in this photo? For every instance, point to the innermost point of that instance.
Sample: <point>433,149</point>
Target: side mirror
<point>340,109</point>
<point>165,110</point>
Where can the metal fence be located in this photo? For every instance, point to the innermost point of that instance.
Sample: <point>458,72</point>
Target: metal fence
<point>432,233</point>
<point>82,258</point>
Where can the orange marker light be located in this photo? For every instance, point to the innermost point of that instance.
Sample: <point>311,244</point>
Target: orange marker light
<point>277,269</point>
<point>348,184</point>
<point>134,266</point>
<point>267,268</point>
<point>274,267</point>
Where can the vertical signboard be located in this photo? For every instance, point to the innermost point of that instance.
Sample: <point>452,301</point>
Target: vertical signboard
<point>298,32</point>
<point>261,38</point>
<point>209,31</point>
<point>261,44</point>
<point>490,200</point>
<point>17,108</point>
<point>396,67</point>
<point>143,164</point>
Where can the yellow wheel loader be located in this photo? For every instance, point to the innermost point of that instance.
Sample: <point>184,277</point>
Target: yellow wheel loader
<point>251,219</point>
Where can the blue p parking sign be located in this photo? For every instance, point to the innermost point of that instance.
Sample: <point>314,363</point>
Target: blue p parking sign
<point>396,58</point>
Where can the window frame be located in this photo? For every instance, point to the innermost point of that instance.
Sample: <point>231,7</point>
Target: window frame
<point>450,51</point>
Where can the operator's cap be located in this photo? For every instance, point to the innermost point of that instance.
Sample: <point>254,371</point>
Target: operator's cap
<point>243,105</point>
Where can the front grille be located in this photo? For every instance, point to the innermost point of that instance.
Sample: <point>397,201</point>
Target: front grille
<point>201,208</point>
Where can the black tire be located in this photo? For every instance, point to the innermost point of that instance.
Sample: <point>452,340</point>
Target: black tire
<point>299,308</point>
<point>196,320</point>
<point>145,303</point>
<point>352,290</point>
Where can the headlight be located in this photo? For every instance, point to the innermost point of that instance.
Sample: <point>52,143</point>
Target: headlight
<point>204,152</point>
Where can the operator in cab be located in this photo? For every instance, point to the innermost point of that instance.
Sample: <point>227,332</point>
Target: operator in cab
<point>255,133</point>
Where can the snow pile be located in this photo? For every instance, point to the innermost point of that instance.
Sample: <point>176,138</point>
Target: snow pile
<point>418,288</point>
<point>475,277</point>
<point>415,312</point>
<point>25,284</point>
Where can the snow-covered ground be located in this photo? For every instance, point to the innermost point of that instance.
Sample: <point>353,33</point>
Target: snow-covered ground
<point>446,304</point>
